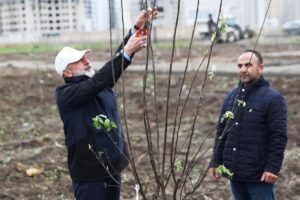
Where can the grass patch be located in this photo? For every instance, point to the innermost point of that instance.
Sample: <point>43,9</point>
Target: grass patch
<point>168,44</point>
<point>297,41</point>
<point>48,48</point>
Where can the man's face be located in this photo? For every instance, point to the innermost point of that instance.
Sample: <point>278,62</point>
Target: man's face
<point>81,67</point>
<point>249,68</point>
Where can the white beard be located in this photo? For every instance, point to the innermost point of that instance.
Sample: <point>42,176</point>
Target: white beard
<point>90,73</point>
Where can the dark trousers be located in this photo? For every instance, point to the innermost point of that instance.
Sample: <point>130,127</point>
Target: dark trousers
<point>106,189</point>
<point>252,191</point>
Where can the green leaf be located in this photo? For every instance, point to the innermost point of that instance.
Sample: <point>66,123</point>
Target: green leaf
<point>222,25</point>
<point>96,122</point>
<point>221,169</point>
<point>213,37</point>
<point>113,125</point>
<point>227,115</point>
<point>106,123</point>
<point>178,165</point>
<point>210,75</point>
<point>102,122</point>
<point>241,103</point>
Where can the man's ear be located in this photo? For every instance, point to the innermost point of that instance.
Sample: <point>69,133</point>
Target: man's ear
<point>261,68</point>
<point>67,73</point>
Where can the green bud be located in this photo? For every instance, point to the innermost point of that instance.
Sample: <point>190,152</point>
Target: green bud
<point>178,165</point>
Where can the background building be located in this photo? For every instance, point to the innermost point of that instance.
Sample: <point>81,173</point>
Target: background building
<point>252,13</point>
<point>35,20</point>
<point>25,19</point>
<point>290,10</point>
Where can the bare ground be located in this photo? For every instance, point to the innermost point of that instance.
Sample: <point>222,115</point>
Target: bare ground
<point>31,134</point>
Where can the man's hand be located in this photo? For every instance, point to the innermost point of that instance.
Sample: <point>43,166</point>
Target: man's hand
<point>268,177</point>
<point>145,16</point>
<point>214,175</point>
<point>135,44</point>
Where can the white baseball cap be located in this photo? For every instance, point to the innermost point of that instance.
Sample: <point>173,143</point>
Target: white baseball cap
<point>66,56</point>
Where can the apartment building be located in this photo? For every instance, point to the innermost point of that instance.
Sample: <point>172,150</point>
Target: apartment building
<point>289,10</point>
<point>32,20</point>
<point>23,19</point>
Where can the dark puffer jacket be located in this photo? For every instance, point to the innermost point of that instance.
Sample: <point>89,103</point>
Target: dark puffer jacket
<point>79,100</point>
<point>256,137</point>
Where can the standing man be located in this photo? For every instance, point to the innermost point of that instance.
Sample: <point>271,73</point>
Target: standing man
<point>252,136</point>
<point>212,26</point>
<point>85,95</point>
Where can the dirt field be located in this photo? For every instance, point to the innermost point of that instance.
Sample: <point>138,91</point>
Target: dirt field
<point>31,135</point>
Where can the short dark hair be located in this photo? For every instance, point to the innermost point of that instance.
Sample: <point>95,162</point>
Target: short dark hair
<point>257,54</point>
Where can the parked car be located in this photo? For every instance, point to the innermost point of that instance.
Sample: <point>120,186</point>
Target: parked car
<point>292,27</point>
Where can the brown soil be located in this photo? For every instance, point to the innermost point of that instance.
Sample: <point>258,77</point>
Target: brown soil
<point>31,132</point>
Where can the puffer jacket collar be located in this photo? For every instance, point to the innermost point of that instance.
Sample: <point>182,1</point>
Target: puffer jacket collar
<point>75,79</point>
<point>260,82</point>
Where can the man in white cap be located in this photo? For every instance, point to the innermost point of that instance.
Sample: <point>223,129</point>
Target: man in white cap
<point>87,94</point>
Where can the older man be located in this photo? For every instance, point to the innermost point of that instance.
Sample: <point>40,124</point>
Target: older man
<point>96,156</point>
<point>251,137</point>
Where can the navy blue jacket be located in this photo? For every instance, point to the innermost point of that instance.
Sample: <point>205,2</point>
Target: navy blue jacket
<point>255,140</point>
<point>79,100</point>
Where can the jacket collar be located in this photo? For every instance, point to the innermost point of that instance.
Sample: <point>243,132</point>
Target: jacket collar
<point>76,79</point>
<point>260,82</point>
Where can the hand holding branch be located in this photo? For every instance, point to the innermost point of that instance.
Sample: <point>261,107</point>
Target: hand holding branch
<point>135,44</point>
<point>145,16</point>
